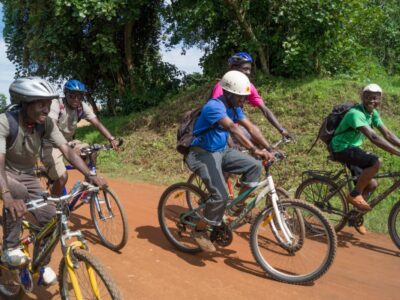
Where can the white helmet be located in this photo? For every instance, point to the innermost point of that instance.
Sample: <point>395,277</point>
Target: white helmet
<point>372,88</point>
<point>236,82</point>
<point>29,89</point>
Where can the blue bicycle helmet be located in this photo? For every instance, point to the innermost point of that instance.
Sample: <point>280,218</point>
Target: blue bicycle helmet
<point>240,58</point>
<point>74,85</point>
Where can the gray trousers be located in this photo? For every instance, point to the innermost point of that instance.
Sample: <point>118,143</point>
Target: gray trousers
<point>25,187</point>
<point>211,166</point>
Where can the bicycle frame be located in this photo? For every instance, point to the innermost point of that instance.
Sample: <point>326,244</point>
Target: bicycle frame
<point>349,179</point>
<point>264,187</point>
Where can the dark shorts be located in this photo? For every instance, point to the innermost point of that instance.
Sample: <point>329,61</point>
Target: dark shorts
<point>356,159</point>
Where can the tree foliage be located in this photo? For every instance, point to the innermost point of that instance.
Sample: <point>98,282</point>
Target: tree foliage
<point>296,38</point>
<point>111,45</point>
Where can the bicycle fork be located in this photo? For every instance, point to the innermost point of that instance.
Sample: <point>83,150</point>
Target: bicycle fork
<point>71,264</point>
<point>279,215</point>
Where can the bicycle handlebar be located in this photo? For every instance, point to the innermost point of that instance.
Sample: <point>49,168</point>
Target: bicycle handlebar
<point>38,203</point>
<point>98,147</point>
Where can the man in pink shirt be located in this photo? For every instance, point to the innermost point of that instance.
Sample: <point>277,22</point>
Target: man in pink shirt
<point>241,61</point>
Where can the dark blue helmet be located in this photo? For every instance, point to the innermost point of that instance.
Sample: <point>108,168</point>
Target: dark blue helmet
<point>74,85</point>
<point>240,58</point>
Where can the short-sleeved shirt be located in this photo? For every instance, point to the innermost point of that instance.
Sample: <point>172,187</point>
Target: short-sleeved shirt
<point>23,154</point>
<point>347,134</point>
<point>254,98</point>
<point>67,118</point>
<point>215,139</point>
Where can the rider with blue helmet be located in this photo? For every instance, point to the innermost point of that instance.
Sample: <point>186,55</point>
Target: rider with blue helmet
<point>242,61</point>
<point>67,112</point>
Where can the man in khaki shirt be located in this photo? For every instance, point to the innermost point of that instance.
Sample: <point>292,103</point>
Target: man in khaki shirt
<point>21,135</point>
<point>67,112</point>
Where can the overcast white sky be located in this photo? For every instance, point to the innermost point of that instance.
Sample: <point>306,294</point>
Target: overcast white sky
<point>188,63</point>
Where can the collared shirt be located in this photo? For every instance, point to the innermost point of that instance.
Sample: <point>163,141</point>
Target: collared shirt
<point>67,118</point>
<point>23,154</point>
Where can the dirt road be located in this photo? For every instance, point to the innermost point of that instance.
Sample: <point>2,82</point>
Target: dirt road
<point>366,267</point>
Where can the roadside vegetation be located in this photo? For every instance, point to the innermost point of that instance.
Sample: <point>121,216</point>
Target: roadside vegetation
<point>148,153</point>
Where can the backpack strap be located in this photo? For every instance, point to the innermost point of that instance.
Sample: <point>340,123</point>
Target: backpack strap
<point>13,121</point>
<point>80,113</point>
<point>12,117</point>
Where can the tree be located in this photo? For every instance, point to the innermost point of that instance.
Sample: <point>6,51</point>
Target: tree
<point>289,38</point>
<point>104,43</point>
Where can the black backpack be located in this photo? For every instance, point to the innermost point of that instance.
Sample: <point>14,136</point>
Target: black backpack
<point>330,123</point>
<point>185,136</point>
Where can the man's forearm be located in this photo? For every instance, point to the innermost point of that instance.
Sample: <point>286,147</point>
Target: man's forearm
<point>76,161</point>
<point>272,119</point>
<point>385,145</point>
<point>102,129</point>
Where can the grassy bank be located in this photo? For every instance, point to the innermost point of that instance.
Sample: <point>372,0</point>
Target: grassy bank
<point>300,105</point>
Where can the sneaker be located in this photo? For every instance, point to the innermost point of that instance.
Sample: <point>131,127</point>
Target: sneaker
<point>361,229</point>
<point>49,276</point>
<point>358,202</point>
<point>14,257</point>
<point>203,240</point>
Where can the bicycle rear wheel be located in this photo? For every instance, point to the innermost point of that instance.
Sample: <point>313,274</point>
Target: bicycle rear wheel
<point>174,203</point>
<point>10,287</point>
<point>315,191</point>
<point>93,279</point>
<point>394,224</point>
<point>109,219</point>
<point>300,258</point>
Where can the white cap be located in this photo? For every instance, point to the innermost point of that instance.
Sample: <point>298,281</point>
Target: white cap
<point>372,87</point>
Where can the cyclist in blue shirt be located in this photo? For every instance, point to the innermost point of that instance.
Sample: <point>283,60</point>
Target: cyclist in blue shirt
<point>210,156</point>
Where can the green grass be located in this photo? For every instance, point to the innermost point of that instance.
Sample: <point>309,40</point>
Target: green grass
<point>148,153</point>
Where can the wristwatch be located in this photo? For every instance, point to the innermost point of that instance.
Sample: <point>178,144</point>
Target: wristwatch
<point>92,173</point>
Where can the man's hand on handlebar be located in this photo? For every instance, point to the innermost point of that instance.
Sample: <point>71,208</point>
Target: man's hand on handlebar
<point>16,207</point>
<point>264,154</point>
<point>115,143</point>
<point>98,181</point>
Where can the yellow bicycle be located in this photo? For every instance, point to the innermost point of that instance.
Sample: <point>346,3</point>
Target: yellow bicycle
<point>81,275</point>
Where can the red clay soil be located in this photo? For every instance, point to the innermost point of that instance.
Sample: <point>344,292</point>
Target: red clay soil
<point>366,267</point>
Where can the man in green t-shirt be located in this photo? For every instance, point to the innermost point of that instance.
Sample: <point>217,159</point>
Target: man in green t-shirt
<point>357,124</point>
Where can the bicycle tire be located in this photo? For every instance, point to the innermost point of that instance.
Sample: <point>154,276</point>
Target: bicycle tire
<point>112,229</point>
<point>313,191</point>
<point>281,268</point>
<point>178,233</point>
<point>394,224</point>
<point>82,256</point>
<point>10,288</point>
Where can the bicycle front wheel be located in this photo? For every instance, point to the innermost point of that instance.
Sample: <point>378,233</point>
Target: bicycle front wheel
<point>173,205</point>
<point>315,191</point>
<point>109,219</point>
<point>91,279</point>
<point>10,287</point>
<point>292,252</point>
<point>394,224</point>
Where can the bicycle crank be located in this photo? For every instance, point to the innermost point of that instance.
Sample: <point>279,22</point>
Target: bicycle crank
<point>221,235</point>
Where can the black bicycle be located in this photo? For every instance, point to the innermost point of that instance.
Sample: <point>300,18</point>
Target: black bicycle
<point>326,190</point>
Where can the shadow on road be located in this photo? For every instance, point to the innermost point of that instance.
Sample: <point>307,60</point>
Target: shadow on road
<point>345,239</point>
<point>155,236</point>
